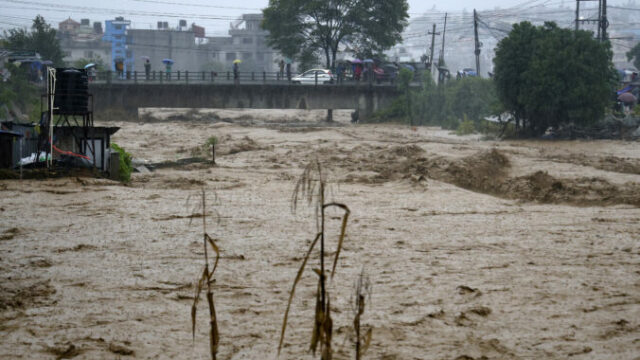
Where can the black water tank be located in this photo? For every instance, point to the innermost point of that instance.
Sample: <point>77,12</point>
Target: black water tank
<point>72,91</point>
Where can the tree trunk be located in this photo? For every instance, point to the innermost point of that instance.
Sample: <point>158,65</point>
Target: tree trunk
<point>327,57</point>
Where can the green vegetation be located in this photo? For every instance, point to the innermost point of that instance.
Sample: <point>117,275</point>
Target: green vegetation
<point>41,38</point>
<point>298,27</point>
<point>125,163</point>
<point>449,105</point>
<point>551,77</point>
<point>19,96</point>
<point>634,54</point>
<point>211,142</point>
<point>466,127</point>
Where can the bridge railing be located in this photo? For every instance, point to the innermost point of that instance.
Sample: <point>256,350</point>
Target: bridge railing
<point>228,77</point>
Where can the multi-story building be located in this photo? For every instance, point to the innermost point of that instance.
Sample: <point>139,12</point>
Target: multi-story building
<point>247,42</point>
<point>116,33</point>
<point>80,40</point>
<point>186,46</point>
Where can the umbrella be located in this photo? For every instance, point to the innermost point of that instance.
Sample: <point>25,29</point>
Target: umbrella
<point>366,61</point>
<point>144,57</point>
<point>89,65</point>
<point>237,61</point>
<point>167,61</point>
<point>288,60</point>
<point>628,88</point>
<point>47,62</point>
<point>627,98</point>
<point>356,61</point>
<point>408,67</point>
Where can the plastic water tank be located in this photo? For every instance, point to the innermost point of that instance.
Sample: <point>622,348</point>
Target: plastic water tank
<point>72,91</point>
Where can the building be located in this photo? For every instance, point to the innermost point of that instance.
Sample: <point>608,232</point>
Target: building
<point>247,42</point>
<point>186,45</point>
<point>83,41</point>
<point>180,46</point>
<point>68,26</point>
<point>116,33</point>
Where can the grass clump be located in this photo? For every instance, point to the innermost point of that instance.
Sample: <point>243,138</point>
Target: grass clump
<point>212,141</point>
<point>466,127</point>
<point>125,163</point>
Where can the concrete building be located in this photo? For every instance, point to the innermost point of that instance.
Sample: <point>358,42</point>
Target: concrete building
<point>186,46</point>
<point>247,42</point>
<point>180,46</point>
<point>116,33</point>
<point>81,40</point>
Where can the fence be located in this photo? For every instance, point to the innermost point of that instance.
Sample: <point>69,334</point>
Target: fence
<point>228,77</point>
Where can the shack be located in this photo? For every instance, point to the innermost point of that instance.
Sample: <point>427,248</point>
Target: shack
<point>19,143</point>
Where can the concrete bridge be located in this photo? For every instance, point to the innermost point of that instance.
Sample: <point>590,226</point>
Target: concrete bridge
<point>129,97</point>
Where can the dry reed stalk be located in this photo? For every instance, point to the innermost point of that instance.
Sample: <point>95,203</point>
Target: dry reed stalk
<point>311,186</point>
<point>207,278</point>
<point>363,290</point>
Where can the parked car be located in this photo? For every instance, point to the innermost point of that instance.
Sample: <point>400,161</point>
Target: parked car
<point>309,77</point>
<point>466,72</point>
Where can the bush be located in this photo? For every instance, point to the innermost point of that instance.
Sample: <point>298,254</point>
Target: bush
<point>465,128</point>
<point>125,163</point>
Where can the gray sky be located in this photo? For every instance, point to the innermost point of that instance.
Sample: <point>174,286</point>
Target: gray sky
<point>214,15</point>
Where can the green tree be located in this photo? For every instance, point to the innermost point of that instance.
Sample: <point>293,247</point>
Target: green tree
<point>470,97</point>
<point>299,26</point>
<point>549,77</point>
<point>41,39</point>
<point>405,76</point>
<point>634,54</point>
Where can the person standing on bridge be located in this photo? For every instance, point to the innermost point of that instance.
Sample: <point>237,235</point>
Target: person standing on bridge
<point>236,72</point>
<point>147,69</point>
<point>168,70</point>
<point>281,65</point>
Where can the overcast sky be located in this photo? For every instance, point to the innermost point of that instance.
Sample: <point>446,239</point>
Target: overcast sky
<point>214,15</point>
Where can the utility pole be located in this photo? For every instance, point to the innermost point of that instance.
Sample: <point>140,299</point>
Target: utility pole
<point>599,18</point>
<point>604,23</point>
<point>433,34</point>
<point>442,74</point>
<point>443,35</point>
<point>577,14</point>
<point>477,50</point>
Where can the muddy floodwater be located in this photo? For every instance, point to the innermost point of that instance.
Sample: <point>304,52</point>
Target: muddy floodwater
<point>475,249</point>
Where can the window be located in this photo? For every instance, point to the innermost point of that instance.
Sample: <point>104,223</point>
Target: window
<point>247,56</point>
<point>118,27</point>
<point>247,40</point>
<point>88,54</point>
<point>259,56</point>
<point>231,56</point>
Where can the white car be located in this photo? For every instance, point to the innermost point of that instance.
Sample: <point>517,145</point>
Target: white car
<point>309,77</point>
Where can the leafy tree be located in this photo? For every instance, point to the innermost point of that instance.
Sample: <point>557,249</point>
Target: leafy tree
<point>18,95</point>
<point>405,76</point>
<point>634,54</point>
<point>472,98</point>
<point>549,77</point>
<point>299,26</point>
<point>41,39</point>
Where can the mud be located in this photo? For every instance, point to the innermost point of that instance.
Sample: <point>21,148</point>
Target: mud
<point>475,249</point>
